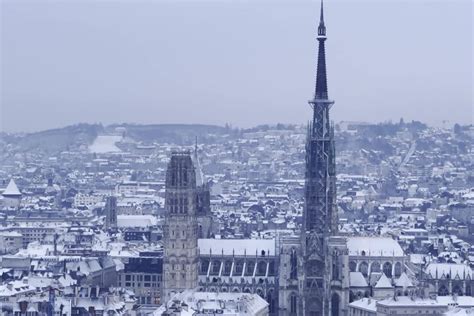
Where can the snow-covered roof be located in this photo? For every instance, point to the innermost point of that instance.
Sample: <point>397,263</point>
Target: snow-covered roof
<point>136,220</point>
<point>383,282</point>
<point>407,301</point>
<point>191,303</point>
<point>238,247</point>
<point>449,270</point>
<point>373,246</point>
<point>11,189</point>
<point>403,281</point>
<point>356,279</point>
<point>459,312</point>
<point>367,304</point>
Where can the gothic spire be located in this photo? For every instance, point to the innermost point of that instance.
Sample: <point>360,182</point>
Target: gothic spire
<point>321,27</point>
<point>321,92</point>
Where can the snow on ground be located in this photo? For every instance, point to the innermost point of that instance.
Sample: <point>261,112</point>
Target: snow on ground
<point>105,144</point>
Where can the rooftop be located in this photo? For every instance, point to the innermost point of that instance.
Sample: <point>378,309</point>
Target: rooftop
<point>376,246</point>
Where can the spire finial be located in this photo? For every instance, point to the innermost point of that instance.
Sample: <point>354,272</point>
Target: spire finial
<point>321,18</point>
<point>321,27</point>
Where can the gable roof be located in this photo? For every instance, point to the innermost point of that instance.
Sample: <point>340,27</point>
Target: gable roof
<point>383,282</point>
<point>356,279</point>
<point>403,281</point>
<point>11,189</point>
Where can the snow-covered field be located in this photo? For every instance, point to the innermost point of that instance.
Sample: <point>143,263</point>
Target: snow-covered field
<point>105,144</point>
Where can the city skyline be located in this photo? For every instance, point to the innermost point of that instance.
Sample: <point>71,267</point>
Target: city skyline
<point>275,220</point>
<point>172,60</point>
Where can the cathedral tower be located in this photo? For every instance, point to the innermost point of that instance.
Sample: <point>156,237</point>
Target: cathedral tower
<point>180,230</point>
<point>319,220</point>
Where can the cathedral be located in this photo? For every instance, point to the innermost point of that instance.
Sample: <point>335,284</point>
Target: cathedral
<point>297,275</point>
<point>310,272</point>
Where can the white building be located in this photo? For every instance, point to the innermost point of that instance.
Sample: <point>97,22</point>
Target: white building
<point>10,241</point>
<point>411,306</point>
<point>11,195</point>
<point>192,302</point>
<point>88,200</point>
<point>363,307</point>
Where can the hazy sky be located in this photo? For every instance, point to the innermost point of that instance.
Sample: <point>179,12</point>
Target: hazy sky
<point>239,62</point>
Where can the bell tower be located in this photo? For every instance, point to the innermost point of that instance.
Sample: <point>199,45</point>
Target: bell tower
<point>180,262</point>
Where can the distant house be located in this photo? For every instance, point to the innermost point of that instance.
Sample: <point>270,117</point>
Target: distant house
<point>11,195</point>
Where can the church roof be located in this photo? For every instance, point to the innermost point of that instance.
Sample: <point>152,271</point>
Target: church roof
<point>238,247</point>
<point>374,246</point>
<point>356,279</point>
<point>403,281</point>
<point>383,282</point>
<point>449,271</point>
<point>11,189</point>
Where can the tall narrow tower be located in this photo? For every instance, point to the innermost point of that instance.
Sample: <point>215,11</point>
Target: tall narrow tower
<point>111,212</point>
<point>319,221</point>
<point>180,230</point>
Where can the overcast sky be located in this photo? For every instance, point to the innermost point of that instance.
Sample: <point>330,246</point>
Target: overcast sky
<point>238,62</point>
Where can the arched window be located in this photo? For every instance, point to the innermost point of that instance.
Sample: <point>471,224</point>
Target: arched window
<point>364,268</point>
<point>250,268</point>
<point>387,269</point>
<point>227,268</point>
<point>335,305</point>
<point>352,266</point>
<point>398,269</point>
<point>271,268</point>
<point>468,290</point>
<point>375,267</point>
<point>457,290</point>
<point>293,265</point>
<point>293,304</point>
<point>216,267</point>
<point>239,267</point>
<point>443,291</point>
<point>261,268</point>
<point>204,266</point>
<point>335,266</point>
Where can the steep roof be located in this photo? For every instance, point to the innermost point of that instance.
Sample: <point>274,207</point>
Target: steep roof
<point>403,281</point>
<point>11,189</point>
<point>357,279</point>
<point>383,282</point>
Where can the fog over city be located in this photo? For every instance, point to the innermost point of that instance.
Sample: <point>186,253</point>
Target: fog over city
<point>238,62</point>
<point>237,158</point>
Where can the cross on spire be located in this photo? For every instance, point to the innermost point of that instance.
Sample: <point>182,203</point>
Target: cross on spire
<point>321,27</point>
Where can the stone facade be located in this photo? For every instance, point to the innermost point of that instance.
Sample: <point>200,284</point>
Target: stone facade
<point>180,264</point>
